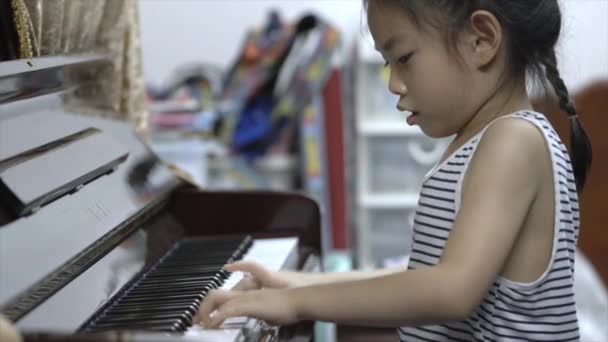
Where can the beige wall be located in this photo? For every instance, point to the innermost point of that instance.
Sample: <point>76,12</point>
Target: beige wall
<point>177,31</point>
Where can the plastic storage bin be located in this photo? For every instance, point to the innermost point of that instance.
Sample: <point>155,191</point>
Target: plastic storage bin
<point>379,102</point>
<point>390,233</point>
<point>397,164</point>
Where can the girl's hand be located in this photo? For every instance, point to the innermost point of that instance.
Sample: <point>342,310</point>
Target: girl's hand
<point>272,306</point>
<point>257,277</point>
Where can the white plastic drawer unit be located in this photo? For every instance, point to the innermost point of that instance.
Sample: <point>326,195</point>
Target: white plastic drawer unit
<point>390,234</point>
<point>378,101</point>
<point>397,164</point>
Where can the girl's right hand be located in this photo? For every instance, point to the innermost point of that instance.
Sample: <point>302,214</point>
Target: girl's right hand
<point>257,277</point>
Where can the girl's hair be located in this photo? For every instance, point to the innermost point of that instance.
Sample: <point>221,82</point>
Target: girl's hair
<point>532,29</point>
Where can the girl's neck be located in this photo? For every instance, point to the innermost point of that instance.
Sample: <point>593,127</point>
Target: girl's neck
<point>507,100</point>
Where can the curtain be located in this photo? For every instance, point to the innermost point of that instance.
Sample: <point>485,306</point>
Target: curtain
<point>107,27</point>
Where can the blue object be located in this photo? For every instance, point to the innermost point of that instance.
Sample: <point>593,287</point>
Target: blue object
<point>254,127</point>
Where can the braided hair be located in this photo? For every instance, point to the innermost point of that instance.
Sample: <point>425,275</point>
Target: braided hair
<point>579,141</point>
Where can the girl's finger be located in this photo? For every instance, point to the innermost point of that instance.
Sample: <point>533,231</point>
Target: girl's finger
<point>246,284</point>
<point>214,299</point>
<point>219,316</point>
<point>262,275</point>
<point>254,268</point>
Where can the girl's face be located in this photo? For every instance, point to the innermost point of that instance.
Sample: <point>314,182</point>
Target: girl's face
<point>431,81</point>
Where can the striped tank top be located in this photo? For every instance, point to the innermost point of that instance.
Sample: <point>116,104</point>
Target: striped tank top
<point>540,311</point>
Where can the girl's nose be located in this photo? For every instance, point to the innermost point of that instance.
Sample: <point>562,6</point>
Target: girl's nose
<point>396,86</point>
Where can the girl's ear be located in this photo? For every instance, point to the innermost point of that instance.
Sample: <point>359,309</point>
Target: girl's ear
<point>484,39</point>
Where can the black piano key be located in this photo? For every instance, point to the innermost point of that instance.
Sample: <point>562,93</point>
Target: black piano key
<point>177,278</point>
<point>166,292</point>
<point>168,296</point>
<point>168,279</point>
<point>209,252</point>
<point>175,275</point>
<point>160,280</point>
<point>144,317</point>
<point>168,305</point>
<point>193,265</point>
<point>187,270</point>
<point>162,302</point>
<point>147,328</point>
<point>209,255</point>
<point>141,317</point>
<point>175,286</point>
<point>160,284</point>
<point>215,264</point>
<point>169,321</point>
<point>158,325</point>
<point>185,266</point>
<point>157,304</point>
<point>153,309</point>
<point>163,292</point>
<point>183,280</point>
<point>204,286</point>
<point>221,274</point>
<point>208,259</point>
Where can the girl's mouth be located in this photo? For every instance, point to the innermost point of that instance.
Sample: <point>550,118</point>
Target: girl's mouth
<point>411,119</point>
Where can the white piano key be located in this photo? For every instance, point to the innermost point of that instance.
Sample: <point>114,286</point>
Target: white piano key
<point>272,254</point>
<point>213,335</point>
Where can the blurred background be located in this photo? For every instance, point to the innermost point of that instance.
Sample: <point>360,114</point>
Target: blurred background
<point>291,96</point>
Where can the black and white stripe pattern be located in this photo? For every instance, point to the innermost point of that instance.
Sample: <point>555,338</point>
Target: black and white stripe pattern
<point>540,311</point>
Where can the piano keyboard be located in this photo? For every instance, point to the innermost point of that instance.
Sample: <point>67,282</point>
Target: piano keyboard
<point>273,254</point>
<point>166,298</point>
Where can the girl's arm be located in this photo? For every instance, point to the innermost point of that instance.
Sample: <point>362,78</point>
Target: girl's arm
<point>499,188</point>
<point>309,279</point>
<point>261,277</point>
<point>500,185</point>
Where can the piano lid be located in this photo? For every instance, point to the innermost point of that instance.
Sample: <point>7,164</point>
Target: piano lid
<point>74,222</point>
<point>58,146</point>
<point>23,78</point>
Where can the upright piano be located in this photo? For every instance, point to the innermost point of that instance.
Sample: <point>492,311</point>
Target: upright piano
<point>101,241</point>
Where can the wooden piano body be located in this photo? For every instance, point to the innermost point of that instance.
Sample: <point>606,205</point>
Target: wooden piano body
<point>86,209</point>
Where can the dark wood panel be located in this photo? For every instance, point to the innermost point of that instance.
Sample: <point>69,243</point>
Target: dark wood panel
<point>258,213</point>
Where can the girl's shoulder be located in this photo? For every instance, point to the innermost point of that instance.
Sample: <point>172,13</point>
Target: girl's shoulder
<point>528,131</point>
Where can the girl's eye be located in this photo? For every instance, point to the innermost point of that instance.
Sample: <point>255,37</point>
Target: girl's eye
<point>404,59</point>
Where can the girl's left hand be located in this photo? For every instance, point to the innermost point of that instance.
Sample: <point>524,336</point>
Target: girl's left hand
<point>270,305</point>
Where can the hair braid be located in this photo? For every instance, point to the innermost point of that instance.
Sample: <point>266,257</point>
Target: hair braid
<point>579,141</point>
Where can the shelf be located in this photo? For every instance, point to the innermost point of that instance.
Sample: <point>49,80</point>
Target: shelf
<point>382,201</point>
<point>387,127</point>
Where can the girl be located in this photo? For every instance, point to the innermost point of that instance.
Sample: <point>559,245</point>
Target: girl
<point>497,221</point>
